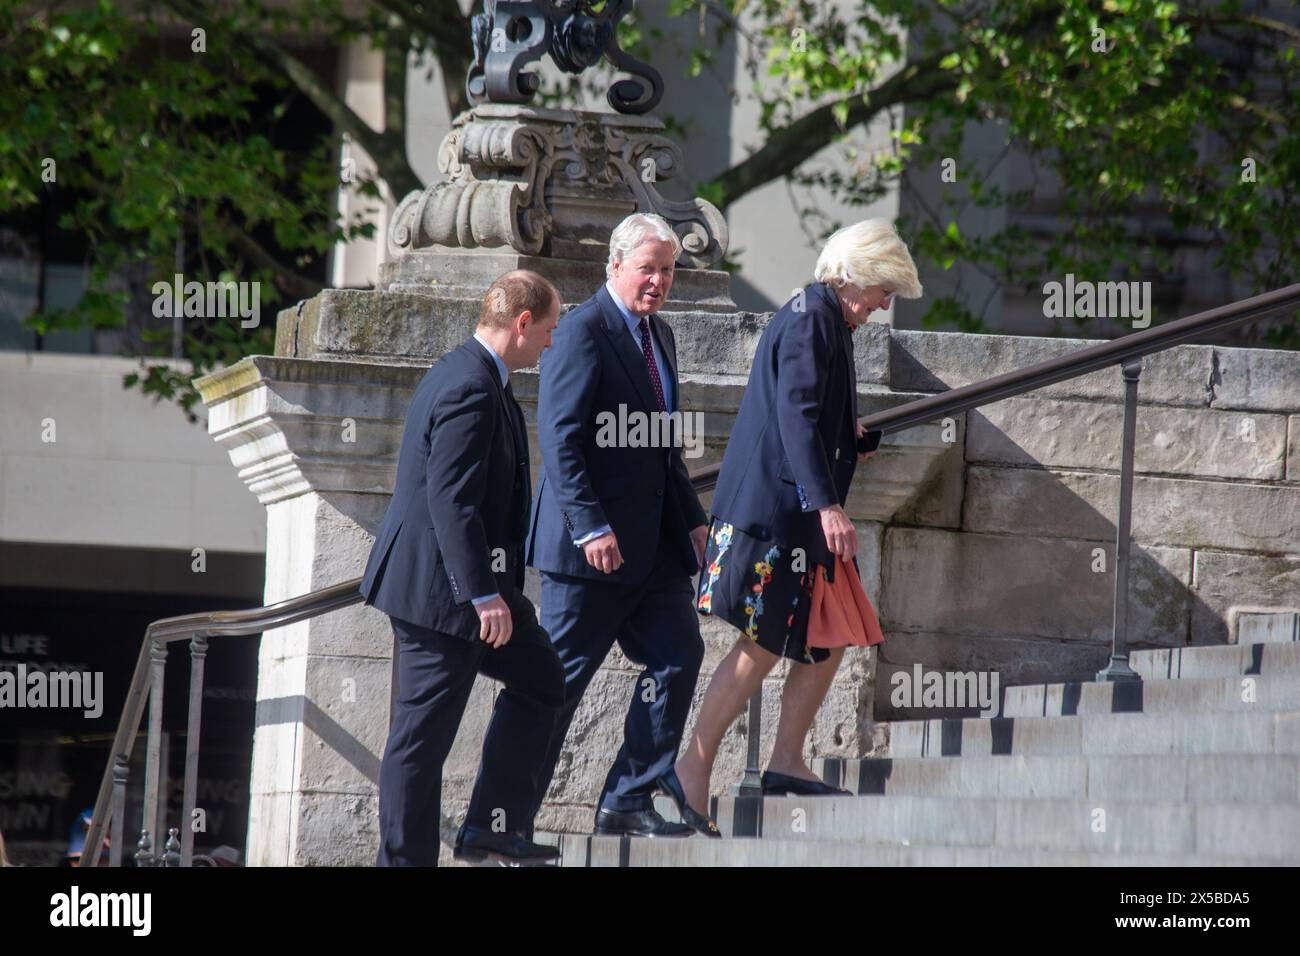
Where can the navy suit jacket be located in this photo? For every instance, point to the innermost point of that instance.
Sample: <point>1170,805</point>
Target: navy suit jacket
<point>793,448</point>
<point>592,366</point>
<point>454,529</point>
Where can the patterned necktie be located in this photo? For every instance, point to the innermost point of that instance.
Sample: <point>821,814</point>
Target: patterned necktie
<point>651,365</point>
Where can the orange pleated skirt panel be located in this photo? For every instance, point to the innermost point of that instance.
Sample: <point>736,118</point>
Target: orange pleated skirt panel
<point>841,614</point>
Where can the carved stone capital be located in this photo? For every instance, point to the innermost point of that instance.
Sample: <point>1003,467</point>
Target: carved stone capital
<point>552,183</point>
<point>643,160</point>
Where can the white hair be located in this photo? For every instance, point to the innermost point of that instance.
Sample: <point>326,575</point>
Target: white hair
<point>634,230</point>
<point>869,253</point>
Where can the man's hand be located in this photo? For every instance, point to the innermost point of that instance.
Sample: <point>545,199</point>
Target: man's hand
<point>841,536</point>
<point>699,538</point>
<point>863,456</point>
<point>603,554</point>
<point>495,623</point>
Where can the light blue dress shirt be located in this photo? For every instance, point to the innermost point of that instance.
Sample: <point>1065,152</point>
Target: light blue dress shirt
<point>505,379</point>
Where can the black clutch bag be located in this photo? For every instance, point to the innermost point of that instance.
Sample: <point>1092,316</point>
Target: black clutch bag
<point>869,441</point>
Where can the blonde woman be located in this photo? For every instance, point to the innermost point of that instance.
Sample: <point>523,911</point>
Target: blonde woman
<point>779,564</point>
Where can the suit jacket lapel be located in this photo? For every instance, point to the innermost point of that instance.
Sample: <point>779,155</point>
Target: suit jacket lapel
<point>851,371</point>
<point>627,350</point>
<point>832,301</point>
<point>494,373</point>
<point>518,444</point>
<point>522,464</point>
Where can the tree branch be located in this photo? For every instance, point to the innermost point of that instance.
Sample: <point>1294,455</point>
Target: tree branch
<point>787,148</point>
<point>396,49</point>
<point>1263,23</point>
<point>289,281</point>
<point>286,279</point>
<point>449,31</point>
<point>388,150</point>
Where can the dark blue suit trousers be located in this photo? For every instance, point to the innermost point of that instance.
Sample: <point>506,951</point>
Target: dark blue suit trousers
<point>436,674</point>
<point>653,621</point>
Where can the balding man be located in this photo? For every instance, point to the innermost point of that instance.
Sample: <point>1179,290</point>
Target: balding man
<point>447,567</point>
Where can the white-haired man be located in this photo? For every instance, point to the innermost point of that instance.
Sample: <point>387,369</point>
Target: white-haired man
<point>617,529</point>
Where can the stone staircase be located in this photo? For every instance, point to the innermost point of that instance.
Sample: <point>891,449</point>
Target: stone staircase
<point>1199,764</point>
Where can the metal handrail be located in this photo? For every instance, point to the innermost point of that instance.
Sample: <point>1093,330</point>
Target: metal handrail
<point>1113,352</point>
<point>1126,351</point>
<point>156,636</point>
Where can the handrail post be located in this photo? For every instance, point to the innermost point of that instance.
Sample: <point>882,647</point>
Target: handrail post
<point>153,810</point>
<point>747,813</point>
<point>198,654</point>
<point>121,768</point>
<point>751,785</point>
<point>1118,669</point>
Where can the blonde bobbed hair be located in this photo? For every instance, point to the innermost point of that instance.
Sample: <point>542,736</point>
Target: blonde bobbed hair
<point>869,253</point>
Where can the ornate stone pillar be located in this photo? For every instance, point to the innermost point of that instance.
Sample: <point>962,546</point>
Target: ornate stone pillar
<point>545,188</point>
<point>315,441</point>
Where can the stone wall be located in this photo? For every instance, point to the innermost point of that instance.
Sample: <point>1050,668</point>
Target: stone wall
<point>1007,578</point>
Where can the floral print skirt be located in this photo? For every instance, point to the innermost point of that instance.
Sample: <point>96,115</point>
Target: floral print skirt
<point>761,589</point>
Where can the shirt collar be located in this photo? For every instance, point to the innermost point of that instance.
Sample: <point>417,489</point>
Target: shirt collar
<point>633,321</point>
<point>501,365</point>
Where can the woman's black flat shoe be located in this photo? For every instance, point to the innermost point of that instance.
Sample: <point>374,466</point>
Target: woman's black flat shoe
<point>782,785</point>
<point>698,822</point>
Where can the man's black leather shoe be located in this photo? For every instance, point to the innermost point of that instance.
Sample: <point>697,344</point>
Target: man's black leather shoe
<point>475,846</point>
<point>646,823</point>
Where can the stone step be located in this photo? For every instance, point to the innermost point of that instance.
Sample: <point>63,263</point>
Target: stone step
<point>1243,778</point>
<point>1268,627</point>
<point>1220,660</point>
<point>585,850</point>
<point>1243,693</point>
<point>1267,832</point>
<point>1222,732</point>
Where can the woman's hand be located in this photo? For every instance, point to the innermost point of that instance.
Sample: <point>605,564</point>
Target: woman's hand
<point>841,536</point>
<point>860,431</point>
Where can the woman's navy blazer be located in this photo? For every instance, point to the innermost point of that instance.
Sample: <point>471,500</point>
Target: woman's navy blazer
<point>793,448</point>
